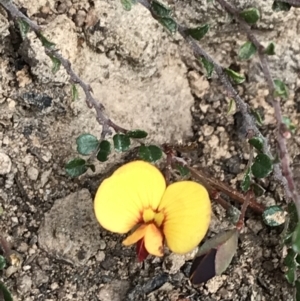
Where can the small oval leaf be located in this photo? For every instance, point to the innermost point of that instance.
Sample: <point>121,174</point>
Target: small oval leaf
<point>159,9</point>
<point>257,142</point>
<point>151,153</point>
<point>209,67</point>
<point>56,64</point>
<point>121,142</point>
<point>74,93</point>
<point>270,49</point>
<point>262,166</point>
<point>137,134</point>
<point>2,262</point>
<point>5,292</point>
<point>86,144</point>
<point>281,89</point>
<point>24,27</point>
<point>246,180</point>
<point>104,151</point>
<point>280,6</point>
<point>46,43</point>
<point>296,239</point>
<point>247,51</point>
<point>250,15</point>
<point>274,216</point>
<point>183,171</point>
<point>199,32</point>
<point>76,167</point>
<point>236,77</point>
<point>169,24</point>
<point>127,4</point>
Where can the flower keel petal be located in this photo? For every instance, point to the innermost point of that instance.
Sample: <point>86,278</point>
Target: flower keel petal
<point>154,240</point>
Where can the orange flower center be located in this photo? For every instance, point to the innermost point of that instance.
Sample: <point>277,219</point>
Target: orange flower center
<point>150,231</point>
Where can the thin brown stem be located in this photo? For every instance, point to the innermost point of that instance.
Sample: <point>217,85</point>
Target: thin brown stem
<point>290,186</point>
<point>212,184</point>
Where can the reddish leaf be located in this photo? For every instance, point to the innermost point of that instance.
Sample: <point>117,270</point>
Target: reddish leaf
<point>203,267</point>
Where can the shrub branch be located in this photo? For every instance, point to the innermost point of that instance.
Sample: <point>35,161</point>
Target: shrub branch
<point>282,130</point>
<point>91,102</point>
<point>242,106</point>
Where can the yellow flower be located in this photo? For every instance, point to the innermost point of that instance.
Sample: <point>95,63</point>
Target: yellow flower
<point>136,198</point>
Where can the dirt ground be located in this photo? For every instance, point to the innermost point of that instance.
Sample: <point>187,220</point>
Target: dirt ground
<point>146,79</point>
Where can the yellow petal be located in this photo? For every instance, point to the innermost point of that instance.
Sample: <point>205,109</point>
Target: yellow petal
<point>138,234</point>
<point>187,209</point>
<point>121,198</point>
<point>154,240</point>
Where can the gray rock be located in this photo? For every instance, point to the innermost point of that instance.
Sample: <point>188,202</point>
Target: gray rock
<point>70,231</point>
<point>5,164</point>
<point>114,291</point>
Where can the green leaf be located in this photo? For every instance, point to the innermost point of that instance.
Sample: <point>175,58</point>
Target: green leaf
<point>270,50</point>
<point>290,275</point>
<point>262,166</point>
<point>297,291</point>
<point>86,144</point>
<point>209,67</point>
<point>250,15</point>
<point>280,89</point>
<point>280,6</point>
<point>160,10</point>
<point>183,171</point>
<point>257,142</point>
<point>199,32</point>
<point>258,118</point>
<point>151,153</point>
<point>127,4</point>
<point>291,223</point>
<point>274,216</point>
<point>24,28</point>
<point>169,24</point>
<point>104,151</point>
<point>56,64</point>
<point>5,292</point>
<point>137,134</point>
<point>246,180</point>
<point>46,43</point>
<point>231,107</point>
<point>2,262</point>
<point>247,50</point>
<point>291,263</point>
<point>287,121</point>
<point>257,189</point>
<point>233,214</point>
<point>296,239</point>
<point>76,167</point>
<point>121,142</point>
<point>236,77</point>
<point>74,92</point>
<point>290,259</point>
